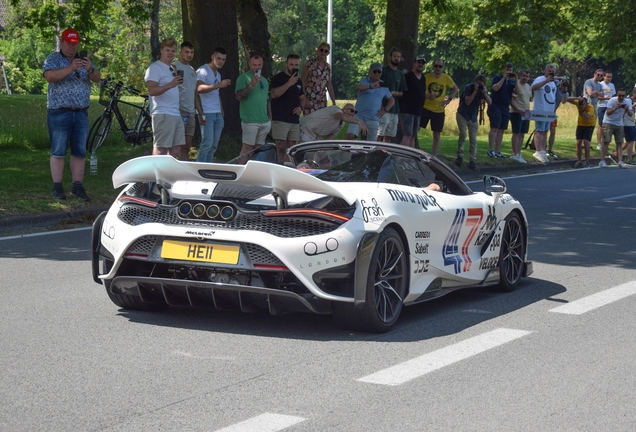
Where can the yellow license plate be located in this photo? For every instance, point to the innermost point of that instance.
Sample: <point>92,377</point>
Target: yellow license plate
<point>203,252</point>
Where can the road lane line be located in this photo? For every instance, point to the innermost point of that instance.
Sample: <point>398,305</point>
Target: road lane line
<point>417,367</point>
<point>619,197</point>
<point>19,236</point>
<point>267,422</point>
<point>597,300</point>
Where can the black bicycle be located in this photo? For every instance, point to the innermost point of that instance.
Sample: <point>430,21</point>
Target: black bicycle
<point>110,96</point>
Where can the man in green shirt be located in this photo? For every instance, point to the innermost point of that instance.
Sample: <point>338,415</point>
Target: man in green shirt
<point>252,91</point>
<point>393,78</point>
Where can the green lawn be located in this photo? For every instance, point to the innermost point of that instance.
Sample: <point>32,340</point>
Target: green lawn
<point>26,179</point>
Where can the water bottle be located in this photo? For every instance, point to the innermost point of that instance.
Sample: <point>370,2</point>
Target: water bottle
<point>185,119</point>
<point>93,164</point>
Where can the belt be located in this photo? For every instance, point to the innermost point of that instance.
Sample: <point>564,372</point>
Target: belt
<point>72,109</point>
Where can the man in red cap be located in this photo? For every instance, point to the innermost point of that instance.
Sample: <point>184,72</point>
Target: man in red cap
<point>69,75</point>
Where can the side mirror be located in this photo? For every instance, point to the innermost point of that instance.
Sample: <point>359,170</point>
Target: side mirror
<point>494,185</point>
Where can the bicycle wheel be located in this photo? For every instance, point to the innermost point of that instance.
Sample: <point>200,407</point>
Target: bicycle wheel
<point>99,132</point>
<point>145,131</point>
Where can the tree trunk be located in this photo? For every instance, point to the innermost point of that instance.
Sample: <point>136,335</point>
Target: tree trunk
<point>253,31</point>
<point>401,30</point>
<point>208,24</point>
<point>155,44</point>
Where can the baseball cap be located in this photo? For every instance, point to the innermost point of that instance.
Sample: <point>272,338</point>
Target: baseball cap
<point>375,66</point>
<point>70,35</point>
<point>418,58</point>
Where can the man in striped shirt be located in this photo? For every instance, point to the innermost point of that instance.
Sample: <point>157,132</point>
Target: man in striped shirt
<point>327,122</point>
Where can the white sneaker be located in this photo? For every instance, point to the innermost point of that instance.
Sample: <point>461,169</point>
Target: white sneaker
<point>544,156</point>
<point>521,159</point>
<point>621,164</point>
<point>598,147</point>
<point>602,164</point>
<point>538,156</point>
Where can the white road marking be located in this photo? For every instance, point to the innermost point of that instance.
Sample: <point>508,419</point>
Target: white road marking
<point>267,422</point>
<point>597,300</point>
<point>619,197</point>
<point>46,233</point>
<point>417,367</point>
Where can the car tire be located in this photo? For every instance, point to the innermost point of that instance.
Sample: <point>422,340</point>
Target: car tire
<point>512,253</point>
<point>385,291</point>
<point>127,301</point>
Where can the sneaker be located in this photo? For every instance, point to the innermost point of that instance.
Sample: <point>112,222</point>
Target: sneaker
<point>551,154</point>
<point>459,161</point>
<point>471,165</point>
<point>613,157</point>
<point>80,193</point>
<point>500,155</point>
<point>545,156</point>
<point>491,153</point>
<point>578,165</point>
<point>538,156</point>
<point>631,162</point>
<point>598,147</point>
<point>58,193</point>
<point>586,165</point>
<point>621,164</point>
<point>602,164</point>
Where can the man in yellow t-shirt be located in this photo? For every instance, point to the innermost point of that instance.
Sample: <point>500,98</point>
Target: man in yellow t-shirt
<point>437,85</point>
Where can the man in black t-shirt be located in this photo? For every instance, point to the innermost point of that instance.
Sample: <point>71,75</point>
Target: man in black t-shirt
<point>288,101</point>
<point>471,100</point>
<point>412,101</point>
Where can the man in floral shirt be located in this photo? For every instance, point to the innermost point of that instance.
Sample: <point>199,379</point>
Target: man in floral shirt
<point>69,76</point>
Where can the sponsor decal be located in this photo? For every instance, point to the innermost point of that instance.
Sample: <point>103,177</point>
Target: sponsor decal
<point>420,266</point>
<point>372,213</point>
<point>470,218</point>
<point>108,230</point>
<point>488,263</point>
<point>491,220</point>
<point>322,263</point>
<point>495,243</point>
<point>421,248</point>
<point>505,198</point>
<point>481,238</point>
<point>425,200</point>
<point>422,234</point>
<point>312,249</point>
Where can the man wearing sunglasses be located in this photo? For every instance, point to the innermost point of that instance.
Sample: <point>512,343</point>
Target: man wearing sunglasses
<point>412,102</point>
<point>617,107</point>
<point>369,104</point>
<point>437,85</point>
<point>163,81</point>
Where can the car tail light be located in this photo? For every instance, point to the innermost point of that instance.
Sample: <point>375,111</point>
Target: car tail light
<point>311,213</point>
<point>141,201</point>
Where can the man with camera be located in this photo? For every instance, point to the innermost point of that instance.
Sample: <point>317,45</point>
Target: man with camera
<point>544,95</point>
<point>499,111</point>
<point>163,81</point>
<point>288,101</point>
<point>252,91</point>
<point>617,107</point>
<point>471,100</point>
<point>69,75</point>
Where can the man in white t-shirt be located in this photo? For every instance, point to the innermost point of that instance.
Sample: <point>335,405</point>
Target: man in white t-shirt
<point>162,82</point>
<point>519,104</point>
<point>208,84</point>
<point>609,91</point>
<point>617,107</point>
<point>544,95</point>
<point>188,102</point>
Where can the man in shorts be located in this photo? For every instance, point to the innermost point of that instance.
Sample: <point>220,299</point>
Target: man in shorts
<point>519,105</point>
<point>503,86</point>
<point>584,129</point>
<point>412,102</point>
<point>288,101</point>
<point>394,80</point>
<point>189,104</point>
<point>437,85</point>
<point>617,107</point>
<point>163,82</point>
<point>253,93</point>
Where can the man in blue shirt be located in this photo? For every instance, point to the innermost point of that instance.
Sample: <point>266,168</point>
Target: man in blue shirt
<point>369,104</point>
<point>69,76</point>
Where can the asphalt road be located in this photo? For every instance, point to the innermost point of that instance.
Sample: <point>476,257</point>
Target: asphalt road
<point>557,354</point>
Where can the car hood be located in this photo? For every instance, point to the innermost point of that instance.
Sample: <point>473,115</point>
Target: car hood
<point>167,171</point>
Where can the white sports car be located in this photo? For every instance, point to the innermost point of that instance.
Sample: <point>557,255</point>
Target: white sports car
<point>356,229</point>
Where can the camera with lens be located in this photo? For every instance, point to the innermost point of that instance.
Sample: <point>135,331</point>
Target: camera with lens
<point>480,87</point>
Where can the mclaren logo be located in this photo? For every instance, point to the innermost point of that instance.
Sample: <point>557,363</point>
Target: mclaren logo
<point>200,233</point>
